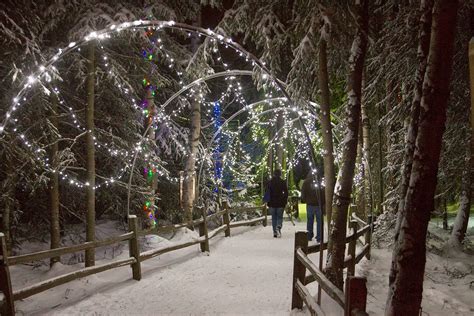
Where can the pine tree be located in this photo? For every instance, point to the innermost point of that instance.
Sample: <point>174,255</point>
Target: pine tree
<point>90,189</point>
<point>337,234</point>
<point>409,254</point>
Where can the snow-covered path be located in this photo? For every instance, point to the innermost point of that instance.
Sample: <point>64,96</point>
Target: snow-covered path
<point>244,274</point>
<point>247,274</point>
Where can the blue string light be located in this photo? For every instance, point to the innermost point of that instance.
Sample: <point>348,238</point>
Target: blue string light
<point>217,154</point>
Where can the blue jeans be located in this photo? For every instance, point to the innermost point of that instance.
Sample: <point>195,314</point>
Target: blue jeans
<point>277,217</point>
<point>313,210</point>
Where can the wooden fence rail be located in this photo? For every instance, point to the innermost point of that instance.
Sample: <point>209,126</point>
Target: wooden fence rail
<point>46,254</point>
<point>169,228</point>
<point>8,296</point>
<point>353,299</point>
<point>50,283</point>
<point>335,293</point>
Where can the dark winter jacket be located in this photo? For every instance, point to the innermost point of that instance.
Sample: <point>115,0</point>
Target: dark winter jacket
<point>309,193</point>
<point>278,192</point>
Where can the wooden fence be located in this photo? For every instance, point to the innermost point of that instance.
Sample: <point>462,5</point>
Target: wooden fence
<point>353,299</point>
<point>8,296</point>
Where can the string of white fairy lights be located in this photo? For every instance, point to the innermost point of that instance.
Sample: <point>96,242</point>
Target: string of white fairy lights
<point>39,149</point>
<point>65,176</point>
<point>190,86</point>
<point>298,155</point>
<point>106,33</point>
<point>36,76</point>
<point>294,135</point>
<point>274,141</point>
<point>236,91</point>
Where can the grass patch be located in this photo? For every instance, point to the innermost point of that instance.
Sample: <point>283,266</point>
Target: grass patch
<point>302,212</point>
<point>454,207</point>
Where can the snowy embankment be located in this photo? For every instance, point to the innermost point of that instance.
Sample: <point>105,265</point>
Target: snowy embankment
<point>444,293</point>
<point>249,273</point>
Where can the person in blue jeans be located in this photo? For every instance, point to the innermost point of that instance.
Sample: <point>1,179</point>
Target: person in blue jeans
<point>277,193</point>
<point>312,193</point>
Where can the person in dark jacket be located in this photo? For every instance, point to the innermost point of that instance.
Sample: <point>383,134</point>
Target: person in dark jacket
<point>278,197</point>
<point>312,193</point>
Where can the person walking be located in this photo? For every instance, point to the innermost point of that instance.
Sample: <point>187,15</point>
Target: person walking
<point>312,193</point>
<point>277,193</point>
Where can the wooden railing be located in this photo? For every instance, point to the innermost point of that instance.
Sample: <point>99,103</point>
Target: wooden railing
<point>8,296</point>
<point>353,299</point>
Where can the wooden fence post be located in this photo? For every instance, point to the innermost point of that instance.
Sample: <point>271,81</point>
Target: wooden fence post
<point>352,248</point>
<point>299,270</point>
<point>264,213</point>
<point>8,307</point>
<point>368,235</point>
<point>356,296</point>
<point>134,248</point>
<point>203,231</point>
<point>226,219</point>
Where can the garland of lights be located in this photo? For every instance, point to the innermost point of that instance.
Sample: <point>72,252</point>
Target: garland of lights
<point>156,25</point>
<point>275,139</point>
<point>217,154</point>
<point>149,112</point>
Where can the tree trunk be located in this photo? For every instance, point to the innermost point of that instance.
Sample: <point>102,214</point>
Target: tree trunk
<point>7,213</point>
<point>326,128</point>
<point>359,188</point>
<point>409,254</point>
<point>153,183</point>
<point>270,156</point>
<point>367,175</point>
<point>445,214</point>
<point>9,206</point>
<point>290,180</point>
<point>462,217</point>
<point>391,169</point>
<point>426,6</point>
<point>380,165</point>
<point>189,188</point>
<point>90,190</point>
<point>189,185</point>
<point>279,140</point>
<point>343,188</point>
<point>54,183</point>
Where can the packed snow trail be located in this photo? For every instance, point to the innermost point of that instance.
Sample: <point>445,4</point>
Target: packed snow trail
<point>249,273</point>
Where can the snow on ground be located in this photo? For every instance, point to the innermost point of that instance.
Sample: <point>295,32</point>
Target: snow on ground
<point>443,292</point>
<point>448,287</point>
<point>249,273</point>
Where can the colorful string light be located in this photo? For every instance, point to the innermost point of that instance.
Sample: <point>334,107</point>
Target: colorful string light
<point>217,154</point>
<point>151,116</point>
<point>149,111</point>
